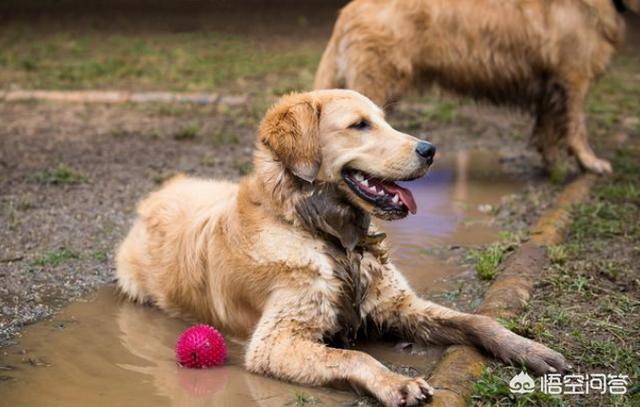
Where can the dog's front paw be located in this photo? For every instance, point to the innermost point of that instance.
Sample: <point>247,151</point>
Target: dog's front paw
<point>535,356</point>
<point>400,391</point>
<point>596,165</point>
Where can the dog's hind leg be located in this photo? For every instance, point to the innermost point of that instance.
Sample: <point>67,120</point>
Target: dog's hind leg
<point>287,344</point>
<point>396,307</point>
<point>577,129</point>
<point>550,124</point>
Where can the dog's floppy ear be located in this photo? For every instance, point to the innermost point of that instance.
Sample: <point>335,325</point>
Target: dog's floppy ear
<point>290,131</point>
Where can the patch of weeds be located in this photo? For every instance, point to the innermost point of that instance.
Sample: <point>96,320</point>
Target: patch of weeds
<point>100,255</point>
<point>488,259</point>
<point>223,136</point>
<point>60,175</point>
<point>443,111</point>
<point>522,326</point>
<point>189,132</point>
<point>580,283</point>
<point>558,173</point>
<point>597,220</point>
<point>558,316</point>
<point>155,134</point>
<point>510,240</point>
<point>243,167</point>
<point>608,354</point>
<point>13,218</point>
<point>303,399</point>
<point>25,203</point>
<point>56,258</point>
<point>162,177</point>
<point>558,254</point>
<point>492,389</point>
<point>119,133</point>
<point>518,135</point>
<point>620,192</point>
<point>209,160</point>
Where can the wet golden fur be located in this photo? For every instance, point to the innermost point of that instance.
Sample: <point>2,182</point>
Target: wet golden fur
<point>538,55</point>
<point>288,258</point>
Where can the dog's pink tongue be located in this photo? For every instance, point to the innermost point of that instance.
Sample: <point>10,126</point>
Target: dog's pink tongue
<point>405,196</point>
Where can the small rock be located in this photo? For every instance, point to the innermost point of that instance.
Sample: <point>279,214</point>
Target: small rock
<point>485,208</point>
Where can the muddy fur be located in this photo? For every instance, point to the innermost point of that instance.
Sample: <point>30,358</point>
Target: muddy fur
<point>541,56</point>
<point>289,258</point>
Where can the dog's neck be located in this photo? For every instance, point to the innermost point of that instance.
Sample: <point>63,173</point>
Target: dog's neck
<point>321,210</point>
<point>317,207</point>
<point>620,6</point>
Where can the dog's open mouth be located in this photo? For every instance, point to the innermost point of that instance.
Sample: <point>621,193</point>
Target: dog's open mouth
<point>384,194</point>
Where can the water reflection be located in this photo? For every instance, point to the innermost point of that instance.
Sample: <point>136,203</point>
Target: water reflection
<point>448,200</point>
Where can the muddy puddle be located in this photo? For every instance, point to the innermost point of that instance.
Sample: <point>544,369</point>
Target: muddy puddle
<point>454,201</point>
<point>108,352</point>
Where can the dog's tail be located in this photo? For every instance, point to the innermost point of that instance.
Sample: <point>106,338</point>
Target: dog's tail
<point>327,74</point>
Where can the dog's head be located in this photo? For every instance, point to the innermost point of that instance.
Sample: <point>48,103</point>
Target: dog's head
<point>340,138</point>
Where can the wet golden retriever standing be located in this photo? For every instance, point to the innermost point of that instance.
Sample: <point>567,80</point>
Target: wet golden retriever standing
<point>538,55</point>
<point>289,258</point>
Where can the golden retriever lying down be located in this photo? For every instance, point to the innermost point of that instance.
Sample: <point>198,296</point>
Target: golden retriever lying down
<point>289,258</point>
<point>538,55</point>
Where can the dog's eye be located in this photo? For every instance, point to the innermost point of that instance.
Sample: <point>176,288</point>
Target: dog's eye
<point>361,125</point>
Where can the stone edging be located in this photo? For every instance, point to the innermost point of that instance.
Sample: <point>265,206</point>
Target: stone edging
<point>114,97</point>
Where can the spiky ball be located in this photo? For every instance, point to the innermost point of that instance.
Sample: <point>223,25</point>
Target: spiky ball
<point>201,346</point>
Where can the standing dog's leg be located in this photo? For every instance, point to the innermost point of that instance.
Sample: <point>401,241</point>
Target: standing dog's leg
<point>550,123</point>
<point>287,344</point>
<point>577,129</point>
<point>396,307</point>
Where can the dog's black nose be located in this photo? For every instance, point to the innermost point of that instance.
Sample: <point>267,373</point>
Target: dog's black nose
<point>426,150</point>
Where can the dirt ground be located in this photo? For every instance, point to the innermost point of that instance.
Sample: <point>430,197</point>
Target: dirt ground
<point>70,174</point>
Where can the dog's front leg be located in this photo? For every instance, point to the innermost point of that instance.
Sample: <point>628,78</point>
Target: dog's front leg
<point>395,306</point>
<point>287,344</point>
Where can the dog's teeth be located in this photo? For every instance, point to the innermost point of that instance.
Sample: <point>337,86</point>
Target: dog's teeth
<point>359,176</point>
<point>395,199</point>
<point>381,193</point>
<point>365,183</point>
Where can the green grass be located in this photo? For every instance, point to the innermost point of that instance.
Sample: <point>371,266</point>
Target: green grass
<point>243,167</point>
<point>101,256</point>
<point>442,111</point>
<point>303,399</point>
<point>188,132</point>
<point>558,254</point>
<point>487,260</point>
<point>56,258</point>
<point>223,136</point>
<point>492,389</point>
<point>194,61</point>
<point>558,173</point>
<point>60,175</point>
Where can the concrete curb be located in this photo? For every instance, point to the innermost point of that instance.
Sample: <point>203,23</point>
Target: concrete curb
<point>115,97</point>
<point>461,366</point>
